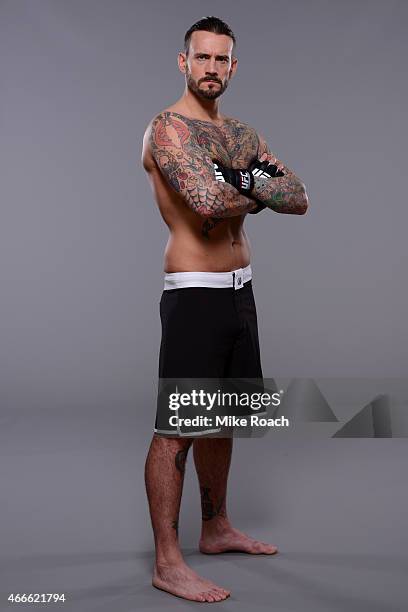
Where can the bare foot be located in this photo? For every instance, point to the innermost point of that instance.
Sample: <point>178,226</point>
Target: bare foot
<point>178,579</point>
<point>230,539</point>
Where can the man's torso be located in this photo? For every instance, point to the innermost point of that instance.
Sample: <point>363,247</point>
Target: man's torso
<point>198,243</point>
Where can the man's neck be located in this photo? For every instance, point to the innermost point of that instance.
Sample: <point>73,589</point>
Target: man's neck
<point>206,110</point>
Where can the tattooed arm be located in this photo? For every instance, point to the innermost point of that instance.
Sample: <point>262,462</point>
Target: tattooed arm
<point>283,194</point>
<point>190,171</point>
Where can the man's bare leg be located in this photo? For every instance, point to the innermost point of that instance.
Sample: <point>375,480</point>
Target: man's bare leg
<point>164,476</point>
<point>212,458</point>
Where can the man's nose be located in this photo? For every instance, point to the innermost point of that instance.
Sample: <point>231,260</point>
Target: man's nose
<point>211,68</point>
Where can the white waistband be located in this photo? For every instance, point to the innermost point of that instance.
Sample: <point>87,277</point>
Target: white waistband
<point>235,278</point>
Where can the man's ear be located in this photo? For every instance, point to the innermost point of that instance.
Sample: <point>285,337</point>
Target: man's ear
<point>182,61</point>
<point>234,65</point>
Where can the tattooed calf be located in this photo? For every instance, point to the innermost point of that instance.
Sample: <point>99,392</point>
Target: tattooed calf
<point>207,506</point>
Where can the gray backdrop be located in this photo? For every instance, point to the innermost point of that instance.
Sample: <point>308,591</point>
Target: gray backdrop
<point>81,276</point>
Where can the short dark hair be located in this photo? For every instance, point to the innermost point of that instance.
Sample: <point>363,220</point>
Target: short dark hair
<point>208,24</point>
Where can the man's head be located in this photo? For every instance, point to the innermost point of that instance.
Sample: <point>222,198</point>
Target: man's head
<point>208,60</point>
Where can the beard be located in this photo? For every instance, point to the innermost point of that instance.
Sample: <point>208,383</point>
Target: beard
<point>202,90</point>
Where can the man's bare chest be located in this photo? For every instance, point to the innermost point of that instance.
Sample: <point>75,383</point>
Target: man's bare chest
<point>234,144</point>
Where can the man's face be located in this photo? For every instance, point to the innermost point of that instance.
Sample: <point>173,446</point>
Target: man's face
<point>209,64</point>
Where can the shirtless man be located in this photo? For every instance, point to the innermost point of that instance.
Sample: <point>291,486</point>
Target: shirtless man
<point>204,204</point>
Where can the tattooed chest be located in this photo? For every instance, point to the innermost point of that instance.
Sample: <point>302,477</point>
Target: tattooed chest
<point>232,145</point>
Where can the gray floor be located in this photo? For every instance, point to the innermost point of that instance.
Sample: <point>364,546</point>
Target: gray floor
<point>75,518</point>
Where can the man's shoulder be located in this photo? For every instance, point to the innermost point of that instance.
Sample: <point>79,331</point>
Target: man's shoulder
<point>159,115</point>
<point>163,118</point>
<point>240,125</point>
<point>165,114</point>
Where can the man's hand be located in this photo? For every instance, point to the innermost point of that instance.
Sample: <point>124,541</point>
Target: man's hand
<point>242,180</point>
<point>263,169</point>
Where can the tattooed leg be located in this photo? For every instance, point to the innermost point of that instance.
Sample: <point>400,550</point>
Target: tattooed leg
<point>164,476</point>
<point>212,458</point>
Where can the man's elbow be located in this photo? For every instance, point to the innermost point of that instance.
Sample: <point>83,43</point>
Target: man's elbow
<point>206,200</point>
<point>303,202</point>
<point>303,206</point>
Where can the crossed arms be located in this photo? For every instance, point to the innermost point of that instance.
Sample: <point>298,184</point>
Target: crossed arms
<point>190,171</point>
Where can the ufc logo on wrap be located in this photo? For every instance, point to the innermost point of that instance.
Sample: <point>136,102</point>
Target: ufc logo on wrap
<point>261,173</point>
<point>218,174</point>
<point>245,179</point>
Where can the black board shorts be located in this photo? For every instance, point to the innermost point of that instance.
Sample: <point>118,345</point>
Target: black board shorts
<point>208,333</point>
